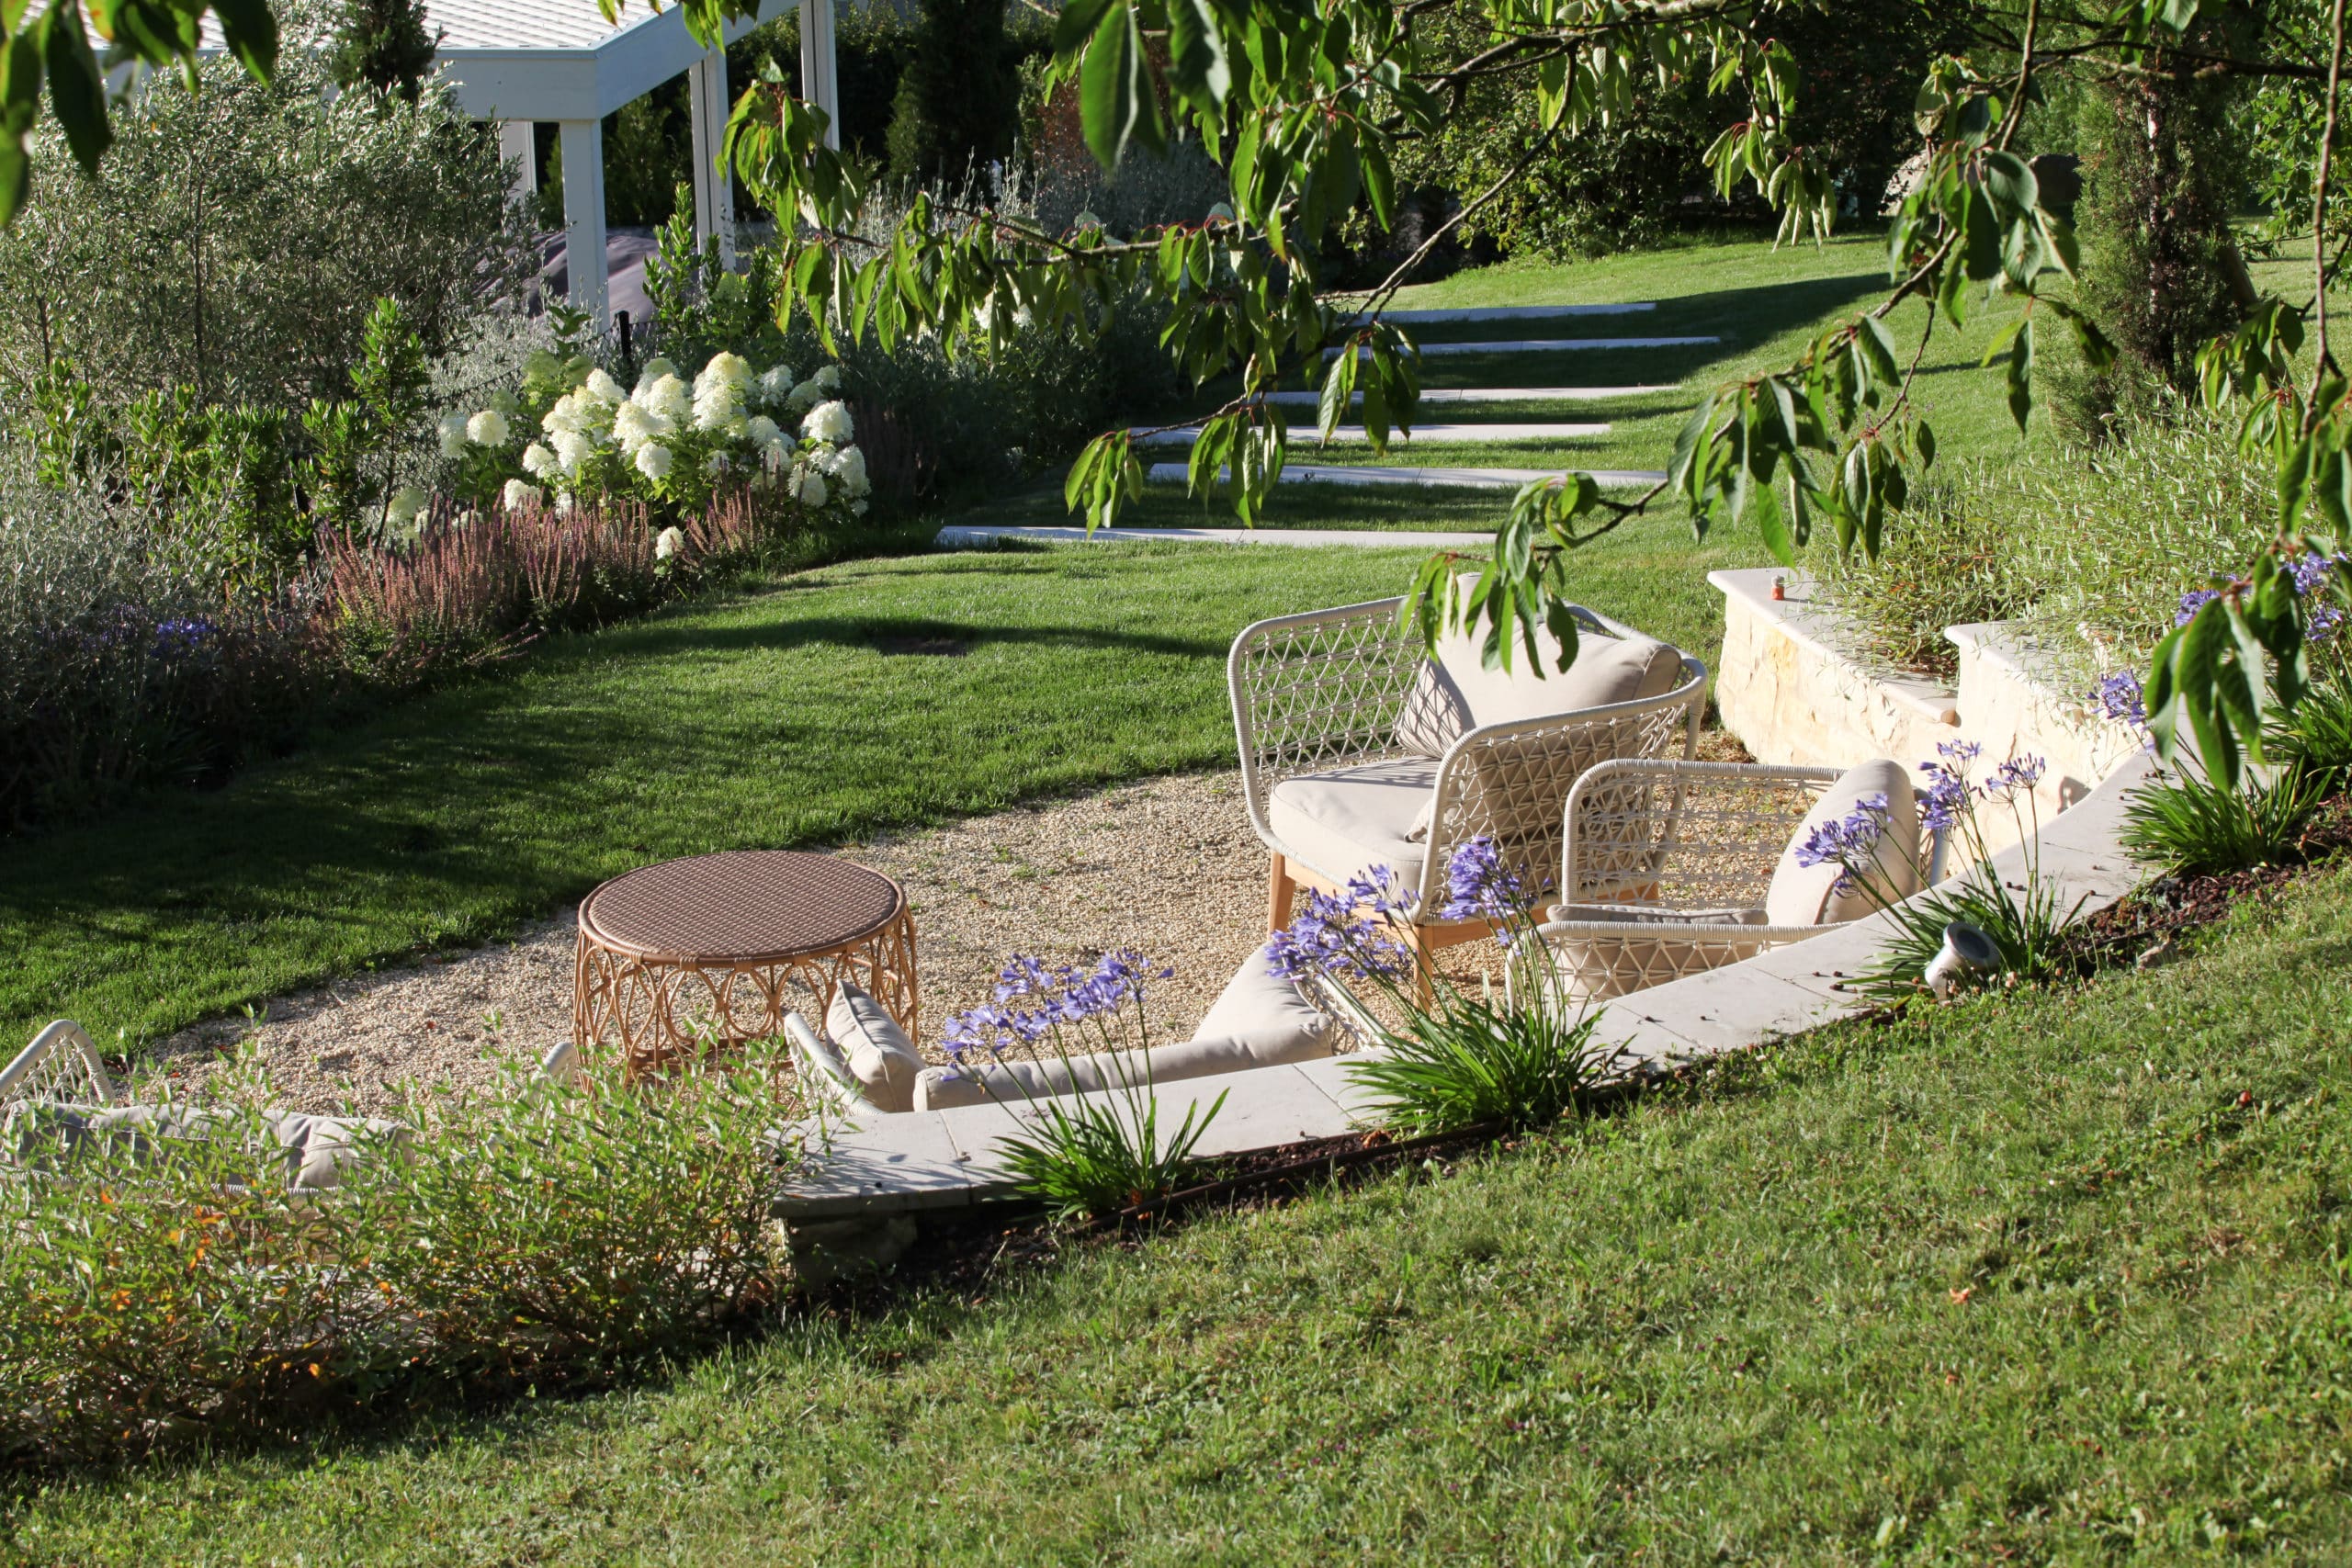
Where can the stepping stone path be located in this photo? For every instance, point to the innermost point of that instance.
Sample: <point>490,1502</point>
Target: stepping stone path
<point>1421,435</point>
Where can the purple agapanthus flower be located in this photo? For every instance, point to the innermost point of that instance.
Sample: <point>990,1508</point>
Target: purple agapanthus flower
<point>1330,935</point>
<point>1480,886</point>
<point>2017,776</point>
<point>2120,697</point>
<point>2310,571</point>
<point>2324,624</point>
<point>1063,997</point>
<point>1850,843</point>
<point>2191,602</point>
<point>178,636</point>
<point>1949,795</point>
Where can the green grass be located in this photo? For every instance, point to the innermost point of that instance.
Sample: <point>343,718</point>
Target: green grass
<point>2051,1277</point>
<point>761,719</point>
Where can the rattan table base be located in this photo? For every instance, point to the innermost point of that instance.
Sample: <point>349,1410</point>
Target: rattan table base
<point>677,958</point>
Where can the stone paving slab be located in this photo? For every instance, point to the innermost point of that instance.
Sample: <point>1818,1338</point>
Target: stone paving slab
<point>1451,478</point>
<point>1420,435</point>
<point>1542,346</point>
<point>1488,395</point>
<point>960,538</point>
<point>1514,312</point>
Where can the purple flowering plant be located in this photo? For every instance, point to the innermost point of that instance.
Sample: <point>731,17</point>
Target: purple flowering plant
<point>1070,1048</point>
<point>1453,1059</point>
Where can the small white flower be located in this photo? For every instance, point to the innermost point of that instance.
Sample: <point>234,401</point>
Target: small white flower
<point>664,396</point>
<point>761,431</point>
<point>655,368</point>
<point>539,463</point>
<point>775,384</point>
<point>668,543</point>
<point>453,436</point>
<point>653,460</point>
<point>828,422</point>
<point>407,503</point>
<point>716,407</point>
<point>518,494</point>
<point>603,389</point>
<point>633,427</point>
<point>829,377</point>
<point>487,428</point>
<point>812,489</point>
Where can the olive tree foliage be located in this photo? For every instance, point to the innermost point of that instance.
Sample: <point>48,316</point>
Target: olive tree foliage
<point>237,238</point>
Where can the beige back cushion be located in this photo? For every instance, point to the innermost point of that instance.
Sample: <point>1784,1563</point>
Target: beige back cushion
<point>1807,895</point>
<point>880,1056</point>
<point>1456,692</point>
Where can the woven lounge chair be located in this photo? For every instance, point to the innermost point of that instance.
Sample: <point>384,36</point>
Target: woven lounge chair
<point>1359,749</point>
<point>1676,867</point>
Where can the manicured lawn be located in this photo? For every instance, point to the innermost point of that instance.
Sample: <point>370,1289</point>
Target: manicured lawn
<point>1765,305</point>
<point>2056,1277</point>
<point>763,719</point>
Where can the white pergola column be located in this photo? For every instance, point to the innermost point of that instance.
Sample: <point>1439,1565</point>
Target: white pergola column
<point>707,107</point>
<point>583,216</point>
<point>514,142</point>
<point>819,83</point>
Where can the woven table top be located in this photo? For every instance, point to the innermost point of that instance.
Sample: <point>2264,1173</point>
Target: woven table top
<point>744,906</point>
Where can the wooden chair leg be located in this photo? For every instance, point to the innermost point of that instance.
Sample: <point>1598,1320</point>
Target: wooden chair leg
<point>1416,939</point>
<point>1279,890</point>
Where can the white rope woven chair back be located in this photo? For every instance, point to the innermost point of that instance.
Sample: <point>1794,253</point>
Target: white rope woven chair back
<point>62,1065</point>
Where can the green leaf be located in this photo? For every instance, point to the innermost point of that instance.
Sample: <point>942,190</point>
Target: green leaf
<point>77,93</point>
<point>249,29</point>
<point>2010,181</point>
<point>1878,349</point>
<point>2021,374</point>
<point>1116,103</point>
<point>1196,52</point>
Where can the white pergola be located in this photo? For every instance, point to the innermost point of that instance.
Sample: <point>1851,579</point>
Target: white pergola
<point>518,62</point>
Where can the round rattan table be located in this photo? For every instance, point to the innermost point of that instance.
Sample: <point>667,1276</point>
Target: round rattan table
<point>716,949</point>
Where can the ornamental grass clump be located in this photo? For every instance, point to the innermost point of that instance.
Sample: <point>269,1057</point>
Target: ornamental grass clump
<point>549,1233</point>
<point>1454,1060</point>
<point>1064,1028</point>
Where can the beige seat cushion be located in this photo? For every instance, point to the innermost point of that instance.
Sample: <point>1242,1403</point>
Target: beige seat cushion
<point>1257,1021</point>
<point>825,1069</point>
<point>1807,895</point>
<point>317,1149</point>
<point>1455,692</point>
<point>876,1051</point>
<point>1351,819</point>
<point>1654,947</point>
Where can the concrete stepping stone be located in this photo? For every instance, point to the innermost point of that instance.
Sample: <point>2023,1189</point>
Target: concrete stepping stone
<point>1515,312</point>
<point>961,536</point>
<point>1422,435</point>
<point>1486,394</point>
<point>1543,346</point>
<point>1456,478</point>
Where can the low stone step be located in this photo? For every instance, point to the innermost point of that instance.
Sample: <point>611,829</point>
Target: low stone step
<point>1456,478</point>
<point>1486,395</point>
<point>1544,345</point>
<point>962,536</point>
<point>1422,435</point>
<point>1515,312</point>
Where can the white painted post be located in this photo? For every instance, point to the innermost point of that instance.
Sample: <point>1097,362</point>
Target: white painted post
<point>819,82</point>
<point>516,145</point>
<point>583,216</point>
<point>707,108</point>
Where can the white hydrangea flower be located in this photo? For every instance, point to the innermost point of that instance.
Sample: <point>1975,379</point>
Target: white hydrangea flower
<point>487,428</point>
<point>668,543</point>
<point>847,469</point>
<point>573,447</point>
<point>828,422</point>
<point>655,368</point>
<point>653,460</point>
<point>538,462</point>
<point>857,508</point>
<point>761,431</point>
<point>812,489</point>
<point>775,384</point>
<point>725,370</point>
<point>603,388</point>
<point>717,406</point>
<point>804,397</point>
<point>564,502</point>
<point>518,494</point>
<point>407,504</point>
<point>666,396</point>
<point>453,436</point>
<point>829,377</point>
<point>634,426</point>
